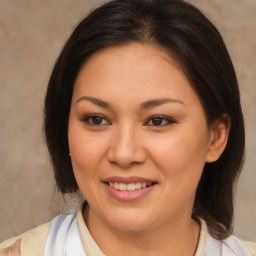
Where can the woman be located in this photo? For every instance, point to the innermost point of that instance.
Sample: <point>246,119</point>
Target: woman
<point>143,116</point>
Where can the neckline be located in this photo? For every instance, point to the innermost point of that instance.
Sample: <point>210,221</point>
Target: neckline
<point>92,249</point>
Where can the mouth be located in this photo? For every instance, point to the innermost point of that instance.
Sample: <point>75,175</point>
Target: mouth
<point>129,189</point>
<point>130,186</point>
<point>131,183</point>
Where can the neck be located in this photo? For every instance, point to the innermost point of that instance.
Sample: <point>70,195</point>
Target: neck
<point>177,237</point>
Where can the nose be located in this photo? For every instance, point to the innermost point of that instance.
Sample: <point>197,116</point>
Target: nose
<point>126,148</point>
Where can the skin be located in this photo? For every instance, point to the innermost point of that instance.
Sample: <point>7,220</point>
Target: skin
<point>128,140</point>
<point>14,250</point>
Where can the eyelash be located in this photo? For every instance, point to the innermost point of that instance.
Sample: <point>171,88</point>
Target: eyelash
<point>167,120</point>
<point>88,119</point>
<point>158,118</point>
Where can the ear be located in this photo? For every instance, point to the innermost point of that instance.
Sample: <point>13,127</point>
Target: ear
<point>218,138</point>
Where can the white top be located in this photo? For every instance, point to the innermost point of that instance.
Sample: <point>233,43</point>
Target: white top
<point>63,237</point>
<point>69,235</point>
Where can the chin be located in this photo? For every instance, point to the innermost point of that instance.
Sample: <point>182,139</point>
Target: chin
<point>130,221</point>
<point>130,225</point>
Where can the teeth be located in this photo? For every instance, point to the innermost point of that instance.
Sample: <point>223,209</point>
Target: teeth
<point>116,185</point>
<point>130,186</point>
<point>138,185</point>
<point>122,186</point>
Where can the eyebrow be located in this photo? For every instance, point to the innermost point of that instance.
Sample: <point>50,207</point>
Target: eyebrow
<point>158,102</point>
<point>96,101</point>
<point>143,106</point>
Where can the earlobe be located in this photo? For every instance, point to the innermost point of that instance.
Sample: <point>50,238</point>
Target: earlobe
<point>218,138</point>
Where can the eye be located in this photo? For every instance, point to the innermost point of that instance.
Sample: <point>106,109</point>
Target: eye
<point>159,121</point>
<point>95,120</point>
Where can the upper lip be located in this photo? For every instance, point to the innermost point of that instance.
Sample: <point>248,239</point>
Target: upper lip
<point>128,180</point>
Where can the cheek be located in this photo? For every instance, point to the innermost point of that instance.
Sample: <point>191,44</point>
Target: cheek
<point>86,151</point>
<point>181,155</point>
<point>180,161</point>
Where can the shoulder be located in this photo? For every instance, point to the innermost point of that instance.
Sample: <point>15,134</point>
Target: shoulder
<point>231,246</point>
<point>239,246</point>
<point>236,246</point>
<point>251,246</point>
<point>29,243</point>
<point>34,241</point>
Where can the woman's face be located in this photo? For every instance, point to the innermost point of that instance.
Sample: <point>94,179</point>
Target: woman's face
<point>138,137</point>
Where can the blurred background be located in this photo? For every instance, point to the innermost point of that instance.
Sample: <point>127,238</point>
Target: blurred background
<point>32,34</point>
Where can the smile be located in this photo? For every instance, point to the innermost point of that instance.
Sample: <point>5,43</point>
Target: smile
<point>129,187</point>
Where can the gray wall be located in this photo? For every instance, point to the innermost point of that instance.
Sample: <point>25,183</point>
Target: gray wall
<point>31,36</point>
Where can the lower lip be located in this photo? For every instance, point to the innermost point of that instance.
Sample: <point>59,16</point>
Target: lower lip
<point>128,196</point>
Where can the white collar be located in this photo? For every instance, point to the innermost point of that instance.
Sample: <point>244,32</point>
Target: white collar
<point>69,235</point>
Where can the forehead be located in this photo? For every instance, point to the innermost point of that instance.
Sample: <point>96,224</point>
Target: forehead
<point>130,60</point>
<point>132,71</point>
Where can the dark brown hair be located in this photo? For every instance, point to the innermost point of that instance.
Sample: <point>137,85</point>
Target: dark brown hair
<point>188,36</point>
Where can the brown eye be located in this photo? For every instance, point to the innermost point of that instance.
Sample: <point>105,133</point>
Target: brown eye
<point>95,120</point>
<point>159,121</point>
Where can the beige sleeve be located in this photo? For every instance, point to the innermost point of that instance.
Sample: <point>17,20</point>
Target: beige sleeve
<point>31,243</point>
<point>251,246</point>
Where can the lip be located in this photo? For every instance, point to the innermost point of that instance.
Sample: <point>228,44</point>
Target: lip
<point>128,196</point>
<point>127,180</point>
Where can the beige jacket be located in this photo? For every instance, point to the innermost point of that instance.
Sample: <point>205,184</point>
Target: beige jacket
<point>32,242</point>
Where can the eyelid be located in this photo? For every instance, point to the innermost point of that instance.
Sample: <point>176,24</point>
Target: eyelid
<point>87,117</point>
<point>169,119</point>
